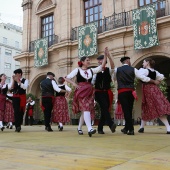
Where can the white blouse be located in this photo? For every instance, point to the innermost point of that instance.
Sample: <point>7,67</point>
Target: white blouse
<point>84,73</point>
<point>66,87</point>
<point>145,72</point>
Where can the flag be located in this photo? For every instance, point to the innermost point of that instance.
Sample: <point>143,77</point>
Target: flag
<point>145,27</point>
<point>87,40</point>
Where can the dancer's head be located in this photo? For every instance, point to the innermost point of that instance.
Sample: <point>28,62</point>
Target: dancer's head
<point>51,75</point>
<point>100,59</point>
<point>84,61</point>
<point>148,63</point>
<point>2,77</point>
<point>61,80</point>
<point>125,60</point>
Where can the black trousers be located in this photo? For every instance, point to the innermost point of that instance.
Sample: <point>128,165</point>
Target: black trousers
<point>103,100</point>
<point>126,100</point>
<point>48,105</point>
<point>18,113</point>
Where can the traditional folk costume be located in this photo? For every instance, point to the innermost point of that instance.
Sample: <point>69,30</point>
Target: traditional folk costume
<point>104,97</point>
<point>154,103</point>
<point>47,87</point>
<point>3,92</point>
<point>19,102</point>
<point>29,111</point>
<point>83,100</point>
<point>60,109</point>
<point>125,76</point>
<point>9,111</point>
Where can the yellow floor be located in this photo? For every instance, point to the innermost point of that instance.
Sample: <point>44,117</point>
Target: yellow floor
<point>35,149</point>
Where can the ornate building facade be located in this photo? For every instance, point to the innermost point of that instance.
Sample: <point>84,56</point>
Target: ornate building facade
<point>58,20</point>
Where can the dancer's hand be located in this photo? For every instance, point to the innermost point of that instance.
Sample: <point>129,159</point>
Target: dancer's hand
<point>157,82</point>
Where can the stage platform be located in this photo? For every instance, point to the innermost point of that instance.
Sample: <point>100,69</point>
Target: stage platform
<point>36,149</point>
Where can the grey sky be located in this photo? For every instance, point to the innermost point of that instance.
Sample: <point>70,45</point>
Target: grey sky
<point>11,12</point>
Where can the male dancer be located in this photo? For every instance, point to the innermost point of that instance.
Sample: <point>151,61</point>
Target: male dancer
<point>19,86</point>
<point>104,95</point>
<point>48,86</point>
<point>125,78</point>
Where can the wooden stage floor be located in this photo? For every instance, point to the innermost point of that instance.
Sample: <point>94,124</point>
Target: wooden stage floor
<point>36,149</point>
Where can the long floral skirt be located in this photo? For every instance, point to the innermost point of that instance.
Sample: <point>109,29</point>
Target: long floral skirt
<point>60,110</point>
<point>9,112</point>
<point>154,103</point>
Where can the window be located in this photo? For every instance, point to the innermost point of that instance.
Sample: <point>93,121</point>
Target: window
<point>47,28</point>
<point>16,44</point>
<point>160,6</point>
<point>7,66</point>
<point>93,10</point>
<point>8,80</point>
<point>8,52</point>
<point>4,40</point>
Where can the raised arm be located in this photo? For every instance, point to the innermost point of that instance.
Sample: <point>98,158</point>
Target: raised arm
<point>112,65</point>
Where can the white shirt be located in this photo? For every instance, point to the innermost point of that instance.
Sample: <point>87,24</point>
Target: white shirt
<point>145,72</point>
<point>87,74</point>
<point>138,75</point>
<point>25,84</point>
<point>32,103</point>
<point>55,86</point>
<point>66,87</point>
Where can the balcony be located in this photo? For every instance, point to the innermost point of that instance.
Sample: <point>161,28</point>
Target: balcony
<point>52,39</point>
<point>120,20</point>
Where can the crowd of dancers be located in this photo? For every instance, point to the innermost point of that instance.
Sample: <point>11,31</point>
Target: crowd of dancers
<point>91,84</point>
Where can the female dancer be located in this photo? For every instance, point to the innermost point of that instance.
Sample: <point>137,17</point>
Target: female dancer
<point>60,113</point>
<point>9,110</point>
<point>3,92</point>
<point>154,103</point>
<point>83,100</point>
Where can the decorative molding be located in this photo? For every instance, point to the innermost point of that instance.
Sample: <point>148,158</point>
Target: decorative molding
<point>27,5</point>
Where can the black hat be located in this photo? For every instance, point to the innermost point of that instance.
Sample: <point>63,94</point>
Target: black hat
<point>50,73</point>
<point>100,57</point>
<point>18,71</point>
<point>124,58</point>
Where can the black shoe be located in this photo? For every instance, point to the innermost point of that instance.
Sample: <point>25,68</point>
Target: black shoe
<point>113,128</point>
<point>60,128</point>
<point>141,130</point>
<point>49,129</point>
<point>92,131</point>
<point>10,127</point>
<point>119,124</point>
<point>80,132</point>
<point>18,129</point>
<point>124,131</point>
<point>7,126</point>
<point>100,132</point>
<point>131,132</point>
<point>2,128</point>
<point>168,132</point>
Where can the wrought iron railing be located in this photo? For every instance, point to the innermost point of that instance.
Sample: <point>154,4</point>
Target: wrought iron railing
<point>120,20</point>
<point>52,39</point>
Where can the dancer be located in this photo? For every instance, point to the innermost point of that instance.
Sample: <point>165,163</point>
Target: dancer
<point>83,100</point>
<point>103,93</point>
<point>3,91</point>
<point>60,112</point>
<point>125,76</point>
<point>48,86</point>
<point>19,86</point>
<point>154,103</point>
<point>9,110</point>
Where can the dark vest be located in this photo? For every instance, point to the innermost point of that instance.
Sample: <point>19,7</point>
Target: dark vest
<point>103,80</point>
<point>61,94</point>
<point>47,87</point>
<point>17,89</point>
<point>152,74</point>
<point>4,90</point>
<point>82,79</point>
<point>125,77</point>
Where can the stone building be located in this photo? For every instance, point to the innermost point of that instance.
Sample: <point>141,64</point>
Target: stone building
<point>59,21</point>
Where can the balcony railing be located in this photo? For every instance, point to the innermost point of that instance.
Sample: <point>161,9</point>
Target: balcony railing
<point>52,39</point>
<point>119,20</point>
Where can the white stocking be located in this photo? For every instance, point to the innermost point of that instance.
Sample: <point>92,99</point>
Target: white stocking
<point>165,121</point>
<point>87,119</point>
<point>1,124</point>
<point>81,121</point>
<point>61,125</point>
<point>10,123</point>
<point>142,124</point>
<point>118,122</point>
<point>123,122</point>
